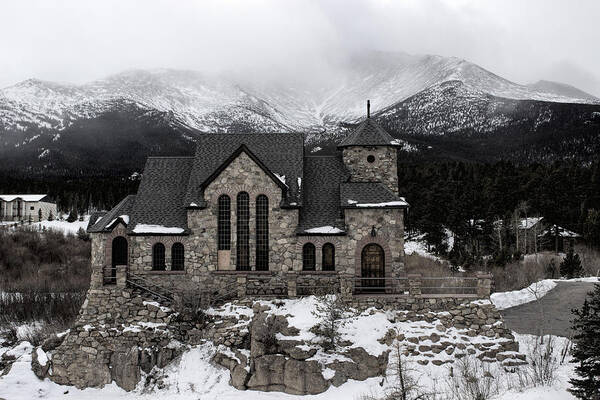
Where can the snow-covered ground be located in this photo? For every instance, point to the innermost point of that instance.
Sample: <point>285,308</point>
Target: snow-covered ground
<point>193,376</point>
<point>532,292</point>
<point>56,225</point>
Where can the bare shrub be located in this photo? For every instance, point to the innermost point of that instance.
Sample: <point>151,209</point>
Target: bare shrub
<point>590,260</point>
<point>520,274</point>
<point>471,379</point>
<point>332,312</point>
<point>53,308</point>
<point>426,266</point>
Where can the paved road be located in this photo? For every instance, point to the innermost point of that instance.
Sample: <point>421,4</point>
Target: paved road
<point>556,306</point>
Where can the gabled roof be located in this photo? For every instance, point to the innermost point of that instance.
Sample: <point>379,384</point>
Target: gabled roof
<point>369,195</point>
<point>280,153</point>
<point>159,204</point>
<point>321,194</point>
<point>562,232</point>
<point>369,133</point>
<point>24,197</point>
<point>101,223</point>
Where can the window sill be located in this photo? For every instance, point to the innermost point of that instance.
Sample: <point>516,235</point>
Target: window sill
<point>317,272</point>
<point>236,272</point>
<point>163,273</point>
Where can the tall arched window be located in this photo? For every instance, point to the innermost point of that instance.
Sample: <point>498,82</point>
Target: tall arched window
<point>243,232</point>
<point>308,257</point>
<point>224,223</point>
<point>158,257</point>
<point>177,257</point>
<point>328,257</point>
<point>262,233</point>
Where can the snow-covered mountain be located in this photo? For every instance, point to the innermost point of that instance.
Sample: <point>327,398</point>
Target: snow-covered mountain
<point>419,94</point>
<point>210,104</point>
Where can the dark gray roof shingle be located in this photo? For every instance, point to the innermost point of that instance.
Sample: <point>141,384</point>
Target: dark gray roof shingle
<point>321,193</point>
<point>99,221</point>
<point>353,194</point>
<point>368,133</point>
<point>281,153</point>
<point>161,194</point>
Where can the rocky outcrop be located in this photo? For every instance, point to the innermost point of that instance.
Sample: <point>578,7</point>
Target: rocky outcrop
<point>285,365</point>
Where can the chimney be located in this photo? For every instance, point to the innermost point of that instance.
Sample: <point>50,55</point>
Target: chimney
<point>368,109</point>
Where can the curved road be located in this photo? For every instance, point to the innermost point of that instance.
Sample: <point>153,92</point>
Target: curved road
<point>552,313</point>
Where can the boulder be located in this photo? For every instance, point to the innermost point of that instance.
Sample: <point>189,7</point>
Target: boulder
<point>40,363</point>
<point>239,377</point>
<point>125,369</point>
<point>267,374</point>
<point>52,343</point>
<point>303,377</point>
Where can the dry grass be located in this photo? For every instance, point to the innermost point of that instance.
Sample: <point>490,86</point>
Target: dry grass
<point>428,267</point>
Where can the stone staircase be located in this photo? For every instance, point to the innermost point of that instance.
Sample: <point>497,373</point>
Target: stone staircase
<point>151,290</point>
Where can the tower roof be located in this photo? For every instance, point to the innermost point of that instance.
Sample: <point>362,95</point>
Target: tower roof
<point>369,133</point>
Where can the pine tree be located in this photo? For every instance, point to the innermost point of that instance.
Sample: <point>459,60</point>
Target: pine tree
<point>570,267</point>
<point>586,349</point>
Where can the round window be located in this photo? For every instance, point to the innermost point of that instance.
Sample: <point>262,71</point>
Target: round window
<point>371,158</point>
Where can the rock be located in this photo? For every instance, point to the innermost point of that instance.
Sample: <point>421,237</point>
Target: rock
<point>304,377</point>
<point>299,354</point>
<point>239,377</point>
<point>125,370</point>
<point>52,343</point>
<point>267,374</point>
<point>40,370</point>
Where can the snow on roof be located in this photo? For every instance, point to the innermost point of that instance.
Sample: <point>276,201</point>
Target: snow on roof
<point>377,205</point>
<point>324,229</point>
<point>124,218</point>
<point>24,197</point>
<point>527,223</point>
<point>146,228</point>
<point>562,232</point>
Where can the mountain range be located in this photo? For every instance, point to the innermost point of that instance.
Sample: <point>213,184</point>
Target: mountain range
<point>439,106</point>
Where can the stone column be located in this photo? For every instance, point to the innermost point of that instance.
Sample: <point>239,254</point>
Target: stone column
<point>484,285</point>
<point>414,284</point>
<point>241,286</point>
<point>346,286</point>
<point>292,285</point>
<point>121,275</point>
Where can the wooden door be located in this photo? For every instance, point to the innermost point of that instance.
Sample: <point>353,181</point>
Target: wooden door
<point>373,267</point>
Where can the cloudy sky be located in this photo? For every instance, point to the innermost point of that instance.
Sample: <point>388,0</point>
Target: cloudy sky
<point>78,41</point>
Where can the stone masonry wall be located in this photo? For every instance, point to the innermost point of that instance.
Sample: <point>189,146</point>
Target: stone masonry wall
<point>383,169</point>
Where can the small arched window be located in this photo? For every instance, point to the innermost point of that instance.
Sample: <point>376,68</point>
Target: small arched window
<point>224,223</point>
<point>308,257</point>
<point>262,233</point>
<point>177,257</point>
<point>328,257</point>
<point>158,257</point>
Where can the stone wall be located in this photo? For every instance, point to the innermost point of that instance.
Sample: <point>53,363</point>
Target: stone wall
<point>383,169</point>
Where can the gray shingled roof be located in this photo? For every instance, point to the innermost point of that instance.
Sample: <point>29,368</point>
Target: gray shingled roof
<point>281,153</point>
<point>123,208</point>
<point>321,193</point>
<point>368,133</point>
<point>352,194</point>
<point>161,194</point>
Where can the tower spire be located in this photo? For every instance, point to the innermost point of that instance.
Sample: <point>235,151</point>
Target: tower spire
<point>368,108</point>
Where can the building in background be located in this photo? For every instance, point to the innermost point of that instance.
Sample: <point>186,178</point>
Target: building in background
<point>26,207</point>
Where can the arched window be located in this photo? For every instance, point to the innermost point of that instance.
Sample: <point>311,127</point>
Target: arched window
<point>243,232</point>
<point>308,257</point>
<point>119,257</point>
<point>262,233</point>
<point>328,257</point>
<point>224,223</point>
<point>158,257</point>
<point>177,257</point>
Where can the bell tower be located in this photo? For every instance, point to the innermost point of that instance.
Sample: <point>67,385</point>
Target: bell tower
<point>371,154</point>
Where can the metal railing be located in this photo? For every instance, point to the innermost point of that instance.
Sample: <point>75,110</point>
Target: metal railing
<point>380,285</point>
<point>139,282</point>
<point>449,285</point>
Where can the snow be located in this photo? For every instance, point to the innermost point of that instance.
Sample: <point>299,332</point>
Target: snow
<point>281,178</point>
<point>124,218</point>
<point>324,229</point>
<point>24,197</point>
<point>148,228</point>
<point>63,226</point>
<point>503,300</point>
<point>378,205</point>
<point>41,356</point>
<point>562,232</point>
<point>528,223</point>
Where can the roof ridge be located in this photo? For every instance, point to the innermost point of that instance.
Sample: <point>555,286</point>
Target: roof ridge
<point>178,157</point>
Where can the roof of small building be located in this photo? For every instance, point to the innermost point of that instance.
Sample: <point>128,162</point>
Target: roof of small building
<point>369,195</point>
<point>24,197</point>
<point>280,153</point>
<point>560,231</point>
<point>369,133</point>
<point>101,221</point>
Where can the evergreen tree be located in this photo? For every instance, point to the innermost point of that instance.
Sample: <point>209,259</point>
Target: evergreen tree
<point>72,216</point>
<point>570,267</point>
<point>586,349</point>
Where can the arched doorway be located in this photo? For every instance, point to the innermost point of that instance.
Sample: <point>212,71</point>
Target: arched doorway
<point>119,257</point>
<point>372,268</point>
